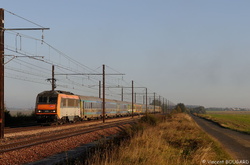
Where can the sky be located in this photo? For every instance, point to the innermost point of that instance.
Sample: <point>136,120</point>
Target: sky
<point>193,52</point>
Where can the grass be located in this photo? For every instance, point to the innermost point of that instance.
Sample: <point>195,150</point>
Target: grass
<point>235,120</point>
<point>173,140</point>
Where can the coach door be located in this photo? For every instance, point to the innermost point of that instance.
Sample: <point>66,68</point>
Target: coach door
<point>82,110</point>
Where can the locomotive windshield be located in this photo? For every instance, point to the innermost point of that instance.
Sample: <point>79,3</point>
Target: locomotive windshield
<point>47,100</point>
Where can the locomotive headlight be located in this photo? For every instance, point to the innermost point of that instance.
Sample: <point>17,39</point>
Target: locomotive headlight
<point>54,111</point>
<point>39,111</point>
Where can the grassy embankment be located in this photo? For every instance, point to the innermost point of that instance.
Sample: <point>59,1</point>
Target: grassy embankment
<point>235,120</point>
<point>172,140</point>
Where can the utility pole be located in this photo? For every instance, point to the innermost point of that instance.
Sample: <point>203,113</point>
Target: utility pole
<point>52,80</point>
<point>146,101</point>
<point>132,98</point>
<point>168,106</point>
<point>154,102</point>
<point>2,29</point>
<point>159,100</point>
<point>1,73</point>
<point>100,87</point>
<point>103,93</point>
<point>163,104</point>
<point>122,94</point>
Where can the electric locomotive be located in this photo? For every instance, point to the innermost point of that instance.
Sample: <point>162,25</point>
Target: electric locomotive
<point>57,106</point>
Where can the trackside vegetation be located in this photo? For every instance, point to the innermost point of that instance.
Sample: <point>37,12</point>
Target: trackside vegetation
<point>198,110</point>
<point>18,119</point>
<point>159,139</point>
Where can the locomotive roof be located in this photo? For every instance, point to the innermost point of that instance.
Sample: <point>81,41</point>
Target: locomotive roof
<point>55,92</point>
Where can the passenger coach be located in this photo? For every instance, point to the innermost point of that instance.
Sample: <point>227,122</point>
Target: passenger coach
<point>60,106</point>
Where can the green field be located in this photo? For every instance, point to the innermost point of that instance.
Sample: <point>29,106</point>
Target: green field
<point>236,120</point>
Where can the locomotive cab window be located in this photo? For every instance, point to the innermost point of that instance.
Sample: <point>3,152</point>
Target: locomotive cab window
<point>52,99</point>
<point>42,99</point>
<point>47,100</point>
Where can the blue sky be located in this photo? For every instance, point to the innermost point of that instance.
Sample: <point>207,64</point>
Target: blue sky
<point>194,52</point>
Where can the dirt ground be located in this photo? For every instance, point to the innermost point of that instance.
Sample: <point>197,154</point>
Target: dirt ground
<point>236,143</point>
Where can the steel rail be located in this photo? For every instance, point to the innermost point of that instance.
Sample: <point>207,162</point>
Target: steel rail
<point>36,126</point>
<point>50,138</point>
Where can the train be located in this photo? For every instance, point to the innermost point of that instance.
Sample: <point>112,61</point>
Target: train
<point>63,107</point>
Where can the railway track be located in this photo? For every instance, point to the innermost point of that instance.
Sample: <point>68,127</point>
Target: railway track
<point>62,135</point>
<point>39,126</point>
<point>20,129</point>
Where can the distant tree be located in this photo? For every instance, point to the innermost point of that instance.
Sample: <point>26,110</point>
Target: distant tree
<point>183,107</point>
<point>7,116</point>
<point>180,108</point>
<point>198,110</point>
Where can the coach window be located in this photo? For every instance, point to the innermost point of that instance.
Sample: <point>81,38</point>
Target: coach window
<point>71,102</point>
<point>87,105</point>
<point>63,103</point>
<point>77,103</point>
<point>107,105</point>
